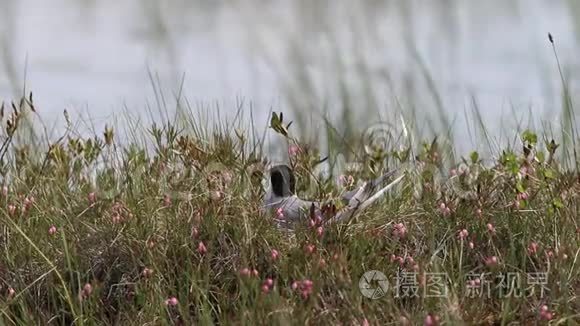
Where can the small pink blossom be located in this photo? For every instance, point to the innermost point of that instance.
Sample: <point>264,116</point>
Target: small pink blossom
<point>4,191</point>
<point>522,196</point>
<point>320,231</point>
<point>365,322</point>
<point>322,263</point>
<point>444,209</point>
<point>255,272</point>
<point>245,272</point>
<point>346,180</point>
<point>545,313</point>
<point>295,285</point>
<point>471,245</point>
<point>11,293</point>
<point>201,248</point>
<point>280,213</point>
<point>28,202</point>
<point>87,290</point>
<point>216,195</point>
<point>265,289</point>
<point>194,232</point>
<point>431,320</point>
<point>274,254</point>
<point>166,201</point>
<point>399,230</point>
<point>269,282</point>
<point>171,301</point>
<point>116,218</point>
<point>310,248</point>
<point>52,230</point>
<point>453,172</point>
<point>463,234</point>
<point>532,248</point>
<point>147,272</point>
<point>293,150</point>
<point>12,210</point>
<point>491,261</point>
<point>478,212</point>
<point>490,228</point>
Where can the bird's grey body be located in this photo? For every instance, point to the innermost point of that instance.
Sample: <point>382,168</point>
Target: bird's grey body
<point>289,209</point>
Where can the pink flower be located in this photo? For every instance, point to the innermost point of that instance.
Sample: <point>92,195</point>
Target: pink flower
<point>92,198</point>
<point>463,234</point>
<point>479,212</point>
<point>280,213</point>
<point>453,172</point>
<point>28,201</point>
<point>320,231</point>
<point>87,290</point>
<point>490,228</point>
<point>52,230</point>
<point>305,287</point>
<point>216,195</point>
<point>201,248</point>
<point>522,196</point>
<point>269,282</point>
<point>194,232</point>
<point>471,245</point>
<point>255,272</point>
<point>116,218</point>
<point>4,191</point>
<point>491,261</point>
<point>265,289</point>
<point>166,201</point>
<point>309,248</point>
<point>295,285</point>
<point>431,320</point>
<point>346,180</point>
<point>532,248</point>
<point>293,150</point>
<point>365,322</point>
<point>399,230</point>
<point>171,301</point>
<point>397,259</point>
<point>444,209</point>
<point>322,263</point>
<point>545,313</point>
<point>11,293</point>
<point>274,254</point>
<point>245,272</point>
<point>147,272</point>
<point>12,210</point>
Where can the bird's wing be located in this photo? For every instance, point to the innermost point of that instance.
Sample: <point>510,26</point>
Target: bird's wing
<point>346,197</point>
<point>361,200</point>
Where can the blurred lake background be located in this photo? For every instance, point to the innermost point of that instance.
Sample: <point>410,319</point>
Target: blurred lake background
<point>353,61</point>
